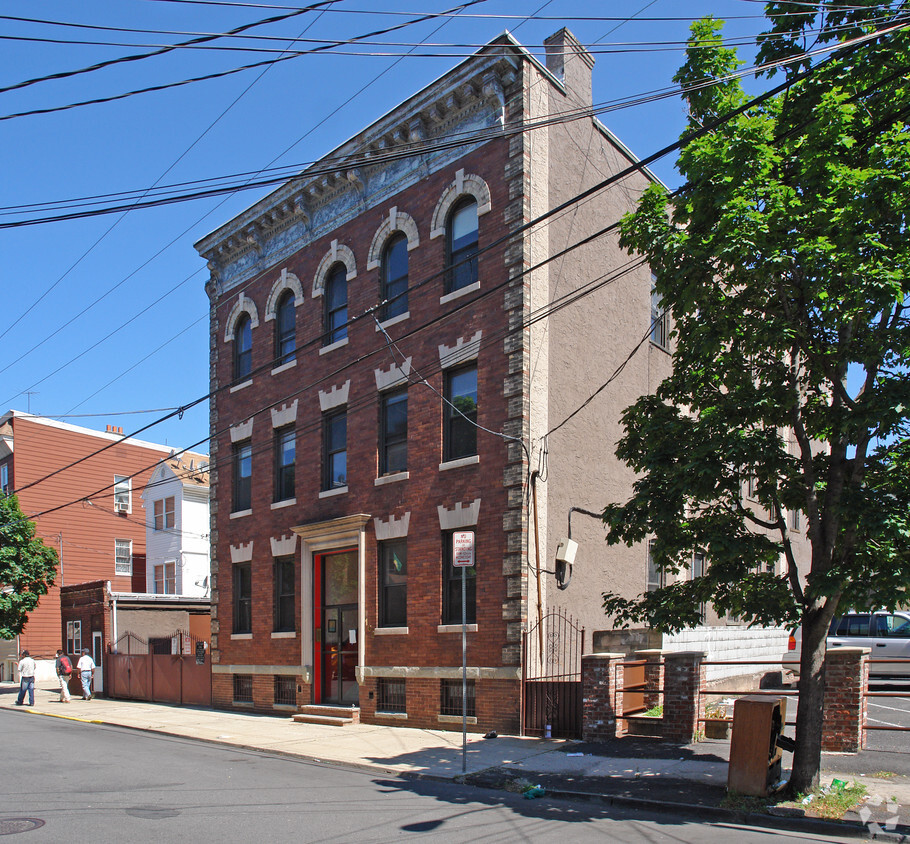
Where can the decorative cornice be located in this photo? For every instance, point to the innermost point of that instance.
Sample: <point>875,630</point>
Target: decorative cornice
<point>471,97</point>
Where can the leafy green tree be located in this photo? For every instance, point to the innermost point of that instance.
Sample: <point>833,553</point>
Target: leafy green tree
<point>783,261</point>
<point>27,567</point>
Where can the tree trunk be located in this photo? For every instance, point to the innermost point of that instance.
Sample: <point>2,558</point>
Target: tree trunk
<point>810,709</point>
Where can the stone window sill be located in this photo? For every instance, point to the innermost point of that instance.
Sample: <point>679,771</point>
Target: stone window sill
<point>393,321</point>
<point>455,628</point>
<point>284,634</point>
<point>391,479</point>
<point>236,636</point>
<point>457,294</point>
<point>288,502</point>
<point>457,464</point>
<point>328,493</point>
<point>332,346</point>
<point>284,367</point>
<point>242,385</point>
<point>390,631</point>
<point>239,514</point>
<point>455,719</point>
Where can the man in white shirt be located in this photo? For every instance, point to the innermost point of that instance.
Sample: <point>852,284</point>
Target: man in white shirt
<point>27,668</point>
<point>86,669</point>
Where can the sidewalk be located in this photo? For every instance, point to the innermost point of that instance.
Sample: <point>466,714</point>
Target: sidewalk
<point>632,772</point>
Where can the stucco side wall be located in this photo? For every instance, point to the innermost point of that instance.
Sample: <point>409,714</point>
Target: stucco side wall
<point>146,623</point>
<point>586,342</point>
<point>734,642</point>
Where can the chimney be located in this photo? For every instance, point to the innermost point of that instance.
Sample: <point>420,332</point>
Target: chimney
<point>571,64</point>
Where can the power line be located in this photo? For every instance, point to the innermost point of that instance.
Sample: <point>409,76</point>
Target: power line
<point>637,167</point>
<point>330,164</point>
<point>312,129</point>
<point>158,51</point>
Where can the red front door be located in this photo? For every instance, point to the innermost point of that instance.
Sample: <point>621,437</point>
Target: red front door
<point>337,623</point>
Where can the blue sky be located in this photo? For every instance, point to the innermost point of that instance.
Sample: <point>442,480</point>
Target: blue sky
<point>106,317</point>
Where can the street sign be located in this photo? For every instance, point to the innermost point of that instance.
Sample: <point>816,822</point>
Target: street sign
<point>463,548</point>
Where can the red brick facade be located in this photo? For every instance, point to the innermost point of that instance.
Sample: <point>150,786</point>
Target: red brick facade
<point>340,221</point>
<point>82,520</point>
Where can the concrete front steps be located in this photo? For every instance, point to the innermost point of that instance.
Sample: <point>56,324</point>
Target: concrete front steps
<point>330,716</point>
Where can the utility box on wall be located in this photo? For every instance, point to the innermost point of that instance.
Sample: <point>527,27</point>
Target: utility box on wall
<point>755,758</point>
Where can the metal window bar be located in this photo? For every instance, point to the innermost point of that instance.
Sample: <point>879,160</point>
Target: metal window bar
<point>450,698</point>
<point>391,695</point>
<point>243,688</point>
<point>285,690</point>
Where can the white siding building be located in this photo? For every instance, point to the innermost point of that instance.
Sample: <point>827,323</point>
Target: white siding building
<point>177,528</point>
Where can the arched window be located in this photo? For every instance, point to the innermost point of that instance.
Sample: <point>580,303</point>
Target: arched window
<point>243,348</point>
<point>285,329</point>
<point>394,277</point>
<point>461,245</point>
<point>336,305</point>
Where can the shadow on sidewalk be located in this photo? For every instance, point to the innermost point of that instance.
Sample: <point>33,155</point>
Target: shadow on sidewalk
<point>549,807</point>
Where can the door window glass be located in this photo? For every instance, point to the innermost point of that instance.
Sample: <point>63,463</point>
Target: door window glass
<point>341,578</point>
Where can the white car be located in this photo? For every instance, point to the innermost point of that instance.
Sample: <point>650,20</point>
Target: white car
<point>886,634</point>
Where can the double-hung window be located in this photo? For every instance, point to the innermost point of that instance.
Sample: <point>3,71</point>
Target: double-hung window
<point>660,320</point>
<point>243,348</point>
<point>284,595</point>
<point>656,575</point>
<point>394,275</point>
<point>461,245</point>
<point>74,637</point>
<point>393,447</point>
<point>123,494</point>
<point>335,450</point>
<point>243,476</point>
<point>123,556</point>
<point>285,329</point>
<point>451,587</point>
<point>460,413</point>
<point>243,598</point>
<point>166,578</point>
<point>4,478</point>
<point>336,306</point>
<point>393,584</point>
<point>285,449</point>
<point>164,513</point>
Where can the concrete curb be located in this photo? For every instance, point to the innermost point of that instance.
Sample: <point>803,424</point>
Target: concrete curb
<point>816,826</point>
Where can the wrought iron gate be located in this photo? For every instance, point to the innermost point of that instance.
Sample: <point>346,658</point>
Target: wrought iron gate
<point>551,677</point>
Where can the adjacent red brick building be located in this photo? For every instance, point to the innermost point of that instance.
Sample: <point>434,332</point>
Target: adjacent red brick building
<point>91,513</point>
<point>391,352</point>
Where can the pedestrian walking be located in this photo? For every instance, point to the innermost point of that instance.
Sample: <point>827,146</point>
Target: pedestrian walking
<point>86,668</point>
<point>64,670</point>
<point>27,669</point>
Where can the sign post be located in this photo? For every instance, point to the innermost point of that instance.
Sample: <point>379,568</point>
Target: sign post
<point>463,558</point>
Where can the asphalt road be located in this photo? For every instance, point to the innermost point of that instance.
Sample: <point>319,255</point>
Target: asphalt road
<point>889,712</point>
<point>78,782</point>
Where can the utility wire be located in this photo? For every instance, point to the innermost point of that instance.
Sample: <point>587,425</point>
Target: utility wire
<point>138,203</point>
<point>330,165</point>
<point>684,140</point>
<point>159,51</point>
<point>217,75</point>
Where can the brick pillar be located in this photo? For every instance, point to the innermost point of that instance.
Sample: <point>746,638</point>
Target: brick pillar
<point>654,675</point>
<point>684,676</point>
<point>601,690</point>
<point>844,716</point>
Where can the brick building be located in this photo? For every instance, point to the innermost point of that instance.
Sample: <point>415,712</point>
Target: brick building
<point>100,529</point>
<point>364,317</point>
